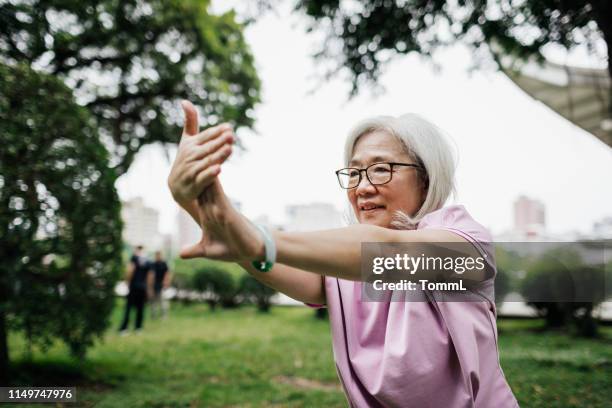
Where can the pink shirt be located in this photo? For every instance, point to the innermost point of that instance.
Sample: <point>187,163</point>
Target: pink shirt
<point>419,354</point>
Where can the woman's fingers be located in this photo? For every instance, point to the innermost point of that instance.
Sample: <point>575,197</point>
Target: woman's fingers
<point>204,178</point>
<point>217,157</point>
<point>211,133</point>
<point>199,156</point>
<point>206,149</point>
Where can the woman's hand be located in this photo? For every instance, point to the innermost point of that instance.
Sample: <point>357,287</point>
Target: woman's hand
<point>227,234</point>
<point>199,157</point>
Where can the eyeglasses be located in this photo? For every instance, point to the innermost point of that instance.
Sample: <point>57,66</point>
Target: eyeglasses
<point>376,173</point>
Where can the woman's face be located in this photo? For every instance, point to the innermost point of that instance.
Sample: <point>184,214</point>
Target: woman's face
<point>376,204</point>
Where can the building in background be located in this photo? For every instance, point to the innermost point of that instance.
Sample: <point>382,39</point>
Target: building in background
<point>529,217</point>
<point>189,231</point>
<point>169,248</point>
<point>140,225</point>
<point>267,222</point>
<point>529,224</point>
<point>602,229</point>
<point>311,217</point>
<point>304,217</point>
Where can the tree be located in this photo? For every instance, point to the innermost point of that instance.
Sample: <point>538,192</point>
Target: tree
<point>563,289</point>
<point>129,61</point>
<point>363,35</point>
<point>126,62</point>
<point>59,216</point>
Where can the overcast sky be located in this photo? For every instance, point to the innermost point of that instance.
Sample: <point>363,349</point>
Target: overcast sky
<point>507,143</point>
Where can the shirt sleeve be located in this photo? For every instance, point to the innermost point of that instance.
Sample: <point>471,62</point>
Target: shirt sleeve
<point>457,220</point>
<point>316,305</point>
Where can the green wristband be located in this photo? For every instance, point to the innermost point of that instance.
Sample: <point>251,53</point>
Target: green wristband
<point>262,266</point>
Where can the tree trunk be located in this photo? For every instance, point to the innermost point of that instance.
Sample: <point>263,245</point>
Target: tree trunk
<point>586,324</point>
<point>263,306</point>
<point>321,313</point>
<point>602,11</point>
<point>4,356</point>
<point>556,316</point>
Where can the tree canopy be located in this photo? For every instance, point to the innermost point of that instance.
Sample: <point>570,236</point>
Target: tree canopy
<point>129,61</point>
<point>363,35</point>
<point>60,256</point>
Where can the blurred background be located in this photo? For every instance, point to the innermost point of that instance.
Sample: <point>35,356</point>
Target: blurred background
<point>90,117</point>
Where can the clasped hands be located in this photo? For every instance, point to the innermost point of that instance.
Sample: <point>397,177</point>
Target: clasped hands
<point>193,181</point>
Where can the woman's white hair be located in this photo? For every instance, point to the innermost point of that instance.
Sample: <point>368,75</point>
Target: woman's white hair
<point>424,143</point>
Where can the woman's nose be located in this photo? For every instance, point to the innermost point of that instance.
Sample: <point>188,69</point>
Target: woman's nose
<point>365,187</point>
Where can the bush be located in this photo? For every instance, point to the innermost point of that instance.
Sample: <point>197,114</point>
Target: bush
<point>195,279</point>
<point>256,292</point>
<point>509,262</point>
<point>217,285</point>
<point>183,283</point>
<point>556,285</point>
<point>503,286</point>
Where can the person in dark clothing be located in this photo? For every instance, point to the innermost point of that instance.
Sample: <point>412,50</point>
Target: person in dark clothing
<point>162,278</point>
<point>138,281</point>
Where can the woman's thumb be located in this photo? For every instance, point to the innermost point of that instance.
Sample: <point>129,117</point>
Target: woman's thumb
<point>191,126</point>
<point>193,251</point>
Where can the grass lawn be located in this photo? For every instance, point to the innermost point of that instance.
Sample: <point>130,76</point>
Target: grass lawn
<point>242,358</point>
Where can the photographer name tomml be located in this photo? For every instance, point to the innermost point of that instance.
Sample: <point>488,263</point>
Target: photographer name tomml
<point>422,284</point>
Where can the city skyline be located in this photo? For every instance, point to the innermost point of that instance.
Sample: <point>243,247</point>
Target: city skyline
<point>141,226</point>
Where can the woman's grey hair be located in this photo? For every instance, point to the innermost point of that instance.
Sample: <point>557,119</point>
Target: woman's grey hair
<point>424,143</point>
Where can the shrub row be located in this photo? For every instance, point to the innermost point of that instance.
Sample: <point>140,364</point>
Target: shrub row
<point>219,284</point>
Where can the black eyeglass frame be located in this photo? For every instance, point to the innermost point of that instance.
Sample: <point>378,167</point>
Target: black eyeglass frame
<point>366,173</point>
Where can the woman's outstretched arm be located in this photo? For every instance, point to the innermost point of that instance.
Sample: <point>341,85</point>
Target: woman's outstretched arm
<point>296,283</point>
<point>230,236</point>
<point>338,252</point>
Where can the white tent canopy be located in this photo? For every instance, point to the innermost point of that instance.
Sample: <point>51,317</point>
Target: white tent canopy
<point>581,95</point>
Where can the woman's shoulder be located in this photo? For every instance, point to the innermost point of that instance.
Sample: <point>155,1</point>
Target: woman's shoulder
<point>456,218</point>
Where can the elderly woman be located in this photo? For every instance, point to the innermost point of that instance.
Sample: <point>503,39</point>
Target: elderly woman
<point>398,175</point>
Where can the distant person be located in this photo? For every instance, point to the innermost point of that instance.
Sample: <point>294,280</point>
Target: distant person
<point>137,278</point>
<point>162,277</point>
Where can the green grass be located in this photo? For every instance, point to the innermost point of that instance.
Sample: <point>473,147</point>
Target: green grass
<point>548,369</point>
<point>198,358</point>
<point>242,358</point>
